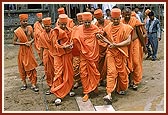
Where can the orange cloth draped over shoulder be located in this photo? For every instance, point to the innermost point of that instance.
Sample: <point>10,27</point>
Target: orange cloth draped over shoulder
<point>48,58</point>
<point>37,31</point>
<point>63,82</point>
<point>26,60</point>
<point>117,72</point>
<point>86,42</point>
<point>135,53</point>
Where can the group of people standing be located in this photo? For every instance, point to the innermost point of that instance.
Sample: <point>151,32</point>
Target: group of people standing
<point>110,51</point>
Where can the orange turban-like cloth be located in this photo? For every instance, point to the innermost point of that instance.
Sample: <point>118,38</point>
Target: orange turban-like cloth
<point>23,16</point>
<point>86,16</point>
<point>39,15</point>
<point>79,16</point>
<point>61,10</point>
<point>98,13</point>
<point>147,11</point>
<point>63,18</point>
<point>115,13</point>
<point>46,21</point>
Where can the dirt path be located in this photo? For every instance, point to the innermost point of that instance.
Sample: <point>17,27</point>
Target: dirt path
<point>149,97</point>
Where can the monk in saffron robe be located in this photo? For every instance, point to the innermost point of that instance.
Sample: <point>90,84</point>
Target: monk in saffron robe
<point>46,55</point>
<point>76,53</point>
<point>26,61</point>
<point>70,22</point>
<point>118,36</point>
<point>102,66</point>
<point>38,28</point>
<point>85,40</point>
<point>63,79</point>
<point>135,50</point>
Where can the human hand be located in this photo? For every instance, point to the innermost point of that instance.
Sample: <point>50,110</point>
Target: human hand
<point>145,50</point>
<point>111,46</point>
<point>28,43</point>
<point>98,36</point>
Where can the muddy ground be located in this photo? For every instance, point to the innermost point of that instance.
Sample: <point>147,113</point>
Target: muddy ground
<point>150,95</point>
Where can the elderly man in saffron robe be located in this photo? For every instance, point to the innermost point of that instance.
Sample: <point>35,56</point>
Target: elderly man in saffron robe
<point>87,43</point>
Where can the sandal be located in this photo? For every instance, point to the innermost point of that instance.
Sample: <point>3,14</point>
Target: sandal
<point>135,87</point>
<point>24,87</point>
<point>121,93</point>
<point>58,102</point>
<point>107,99</point>
<point>72,93</point>
<point>35,89</point>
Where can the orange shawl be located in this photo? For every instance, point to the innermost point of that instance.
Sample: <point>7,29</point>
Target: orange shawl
<point>87,44</point>
<point>117,34</point>
<point>132,22</point>
<point>106,22</point>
